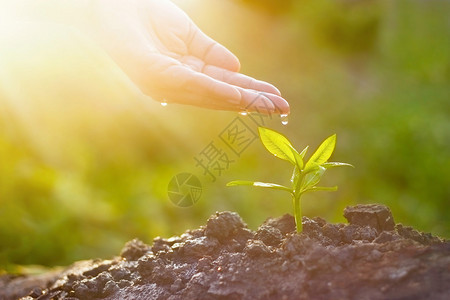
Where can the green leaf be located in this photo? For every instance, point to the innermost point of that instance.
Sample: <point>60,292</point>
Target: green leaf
<point>329,165</point>
<point>313,178</point>
<point>323,153</point>
<point>298,158</point>
<point>277,144</point>
<point>313,167</point>
<point>303,153</point>
<point>240,182</point>
<point>322,188</point>
<point>260,184</point>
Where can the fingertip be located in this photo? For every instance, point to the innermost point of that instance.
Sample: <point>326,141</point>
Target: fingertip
<point>256,102</point>
<point>281,106</point>
<point>275,90</point>
<point>235,64</point>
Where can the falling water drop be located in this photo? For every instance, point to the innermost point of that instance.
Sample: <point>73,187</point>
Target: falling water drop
<point>284,119</point>
<point>164,103</point>
<point>243,113</point>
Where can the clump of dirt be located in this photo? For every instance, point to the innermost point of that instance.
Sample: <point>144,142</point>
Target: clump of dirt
<point>369,258</point>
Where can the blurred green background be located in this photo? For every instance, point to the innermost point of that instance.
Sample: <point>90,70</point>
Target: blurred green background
<point>377,73</point>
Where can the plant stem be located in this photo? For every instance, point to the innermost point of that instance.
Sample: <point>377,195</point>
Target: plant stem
<point>298,213</point>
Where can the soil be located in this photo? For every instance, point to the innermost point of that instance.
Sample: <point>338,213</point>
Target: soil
<point>369,258</point>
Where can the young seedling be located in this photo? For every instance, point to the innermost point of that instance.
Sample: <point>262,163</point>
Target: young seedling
<point>305,176</point>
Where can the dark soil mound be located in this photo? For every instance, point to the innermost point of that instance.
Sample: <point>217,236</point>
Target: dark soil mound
<point>369,258</point>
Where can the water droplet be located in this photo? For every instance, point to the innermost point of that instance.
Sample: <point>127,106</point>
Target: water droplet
<point>243,113</point>
<point>284,119</point>
<point>164,103</point>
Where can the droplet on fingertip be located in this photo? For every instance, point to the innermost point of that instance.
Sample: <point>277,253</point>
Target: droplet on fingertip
<point>243,113</point>
<point>284,119</point>
<point>164,103</point>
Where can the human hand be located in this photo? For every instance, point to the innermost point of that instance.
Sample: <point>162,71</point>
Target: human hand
<point>172,60</point>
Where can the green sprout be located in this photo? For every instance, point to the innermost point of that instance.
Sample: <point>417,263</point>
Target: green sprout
<point>305,176</point>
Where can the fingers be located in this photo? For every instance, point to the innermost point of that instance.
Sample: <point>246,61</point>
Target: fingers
<point>230,77</point>
<point>281,106</point>
<point>240,80</point>
<point>175,82</point>
<point>212,53</point>
<point>187,86</point>
<point>253,101</point>
<point>180,84</point>
<point>257,95</point>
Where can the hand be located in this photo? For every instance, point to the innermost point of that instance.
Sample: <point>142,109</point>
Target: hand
<point>172,60</point>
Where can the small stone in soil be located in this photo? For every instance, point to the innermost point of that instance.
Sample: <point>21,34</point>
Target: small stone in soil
<point>271,236</point>
<point>110,288</point>
<point>374,215</point>
<point>285,224</point>
<point>134,249</point>
<point>223,225</point>
<point>256,248</point>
